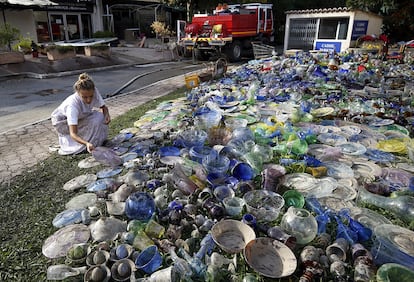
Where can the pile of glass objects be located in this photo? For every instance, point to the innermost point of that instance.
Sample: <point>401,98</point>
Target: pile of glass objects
<point>322,141</point>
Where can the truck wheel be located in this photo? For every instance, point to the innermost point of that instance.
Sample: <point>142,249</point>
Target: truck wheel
<point>233,51</point>
<point>201,55</point>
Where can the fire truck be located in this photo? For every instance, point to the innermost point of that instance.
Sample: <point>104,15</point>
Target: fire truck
<point>229,30</point>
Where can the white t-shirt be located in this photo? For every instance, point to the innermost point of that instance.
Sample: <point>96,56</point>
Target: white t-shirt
<point>74,109</point>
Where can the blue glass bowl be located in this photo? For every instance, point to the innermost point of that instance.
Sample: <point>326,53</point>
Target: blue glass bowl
<point>140,206</point>
<point>149,259</point>
<point>197,153</point>
<point>193,137</point>
<point>216,164</point>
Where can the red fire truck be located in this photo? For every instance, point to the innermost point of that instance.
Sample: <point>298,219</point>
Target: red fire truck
<point>230,30</point>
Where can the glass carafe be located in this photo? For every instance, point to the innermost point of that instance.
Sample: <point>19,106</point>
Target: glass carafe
<point>301,224</point>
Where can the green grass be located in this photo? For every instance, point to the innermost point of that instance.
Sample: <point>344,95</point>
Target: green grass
<point>29,203</point>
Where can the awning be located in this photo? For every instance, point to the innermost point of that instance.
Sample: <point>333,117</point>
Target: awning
<point>28,2</point>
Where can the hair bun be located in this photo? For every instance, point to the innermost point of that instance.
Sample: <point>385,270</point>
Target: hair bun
<point>83,76</point>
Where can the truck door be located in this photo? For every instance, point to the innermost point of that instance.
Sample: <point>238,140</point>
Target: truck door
<point>180,30</point>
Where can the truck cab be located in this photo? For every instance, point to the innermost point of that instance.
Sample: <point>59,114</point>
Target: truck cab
<point>230,30</point>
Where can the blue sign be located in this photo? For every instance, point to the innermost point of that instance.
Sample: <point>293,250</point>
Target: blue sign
<point>359,29</point>
<point>327,46</point>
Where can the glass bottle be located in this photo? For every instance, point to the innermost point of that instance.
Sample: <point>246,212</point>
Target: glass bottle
<point>401,206</point>
<point>181,266</point>
<point>364,233</point>
<point>62,271</point>
<point>323,217</point>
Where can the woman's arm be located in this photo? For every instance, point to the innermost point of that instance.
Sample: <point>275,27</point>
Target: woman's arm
<point>73,130</point>
<point>105,112</point>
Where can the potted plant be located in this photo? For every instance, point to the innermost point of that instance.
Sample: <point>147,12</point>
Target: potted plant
<point>8,34</point>
<point>161,31</point>
<point>101,50</point>
<point>59,52</point>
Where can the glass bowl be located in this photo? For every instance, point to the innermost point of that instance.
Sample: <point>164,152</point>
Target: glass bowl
<point>265,205</point>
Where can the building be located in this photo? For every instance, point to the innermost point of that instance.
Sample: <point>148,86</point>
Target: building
<point>333,29</point>
<point>129,19</point>
<point>65,20</point>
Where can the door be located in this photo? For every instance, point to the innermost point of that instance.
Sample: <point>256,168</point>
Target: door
<point>57,27</point>
<point>66,27</point>
<point>302,33</point>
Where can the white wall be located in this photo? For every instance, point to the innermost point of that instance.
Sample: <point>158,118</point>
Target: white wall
<point>374,22</point>
<point>22,20</point>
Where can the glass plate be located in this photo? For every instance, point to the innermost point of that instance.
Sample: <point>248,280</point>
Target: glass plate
<point>350,130</point>
<point>300,181</point>
<point>352,148</point>
<point>381,122</point>
<point>379,156</point>
<point>400,237</point>
<point>58,244</point>
<point>392,146</point>
<point>339,170</point>
<point>396,176</point>
<point>331,139</point>
<point>79,182</point>
<point>366,169</point>
<point>84,200</point>
<point>89,162</point>
<point>108,172</point>
<point>336,204</point>
<point>321,112</point>
<point>368,218</point>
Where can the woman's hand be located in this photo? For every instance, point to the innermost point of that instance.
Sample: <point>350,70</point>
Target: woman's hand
<point>90,147</point>
<point>107,118</point>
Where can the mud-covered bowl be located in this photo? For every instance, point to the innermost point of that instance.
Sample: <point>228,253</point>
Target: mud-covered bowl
<point>77,254</point>
<point>265,205</point>
<point>232,235</point>
<point>122,270</point>
<point>122,251</point>
<point>100,273</point>
<point>270,257</point>
<point>97,257</point>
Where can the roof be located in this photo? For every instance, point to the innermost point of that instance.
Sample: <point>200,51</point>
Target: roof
<point>329,10</point>
<point>322,10</point>
<point>28,2</point>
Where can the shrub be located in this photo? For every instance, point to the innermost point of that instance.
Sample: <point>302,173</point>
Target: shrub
<point>24,43</point>
<point>103,34</point>
<point>8,34</point>
<point>160,29</point>
<point>60,48</point>
<point>99,46</point>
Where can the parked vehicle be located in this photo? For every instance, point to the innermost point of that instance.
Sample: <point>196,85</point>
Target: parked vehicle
<point>230,30</point>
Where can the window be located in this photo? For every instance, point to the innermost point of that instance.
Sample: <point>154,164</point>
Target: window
<point>333,28</point>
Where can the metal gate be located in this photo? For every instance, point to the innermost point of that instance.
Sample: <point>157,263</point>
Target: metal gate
<point>302,34</point>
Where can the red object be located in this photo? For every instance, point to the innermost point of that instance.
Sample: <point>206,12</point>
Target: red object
<point>192,28</point>
<point>361,68</point>
<point>384,38</point>
<point>239,25</point>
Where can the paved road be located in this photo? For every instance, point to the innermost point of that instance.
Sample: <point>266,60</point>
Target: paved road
<point>28,100</point>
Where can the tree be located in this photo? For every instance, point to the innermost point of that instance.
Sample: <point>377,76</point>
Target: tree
<point>398,16</point>
<point>8,34</point>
